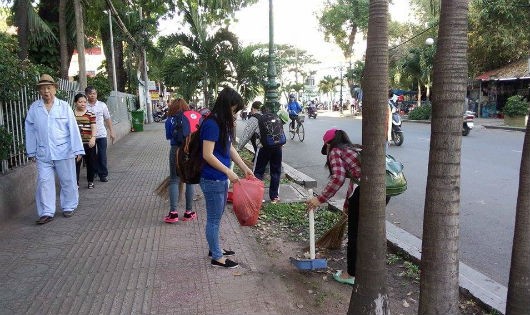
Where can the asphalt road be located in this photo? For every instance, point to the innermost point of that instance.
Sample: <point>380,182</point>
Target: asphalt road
<point>490,177</point>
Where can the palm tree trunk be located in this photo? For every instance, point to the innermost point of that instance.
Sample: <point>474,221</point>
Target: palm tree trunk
<point>519,284</point>
<point>439,291</point>
<point>21,21</point>
<point>80,39</point>
<point>62,40</point>
<point>369,295</point>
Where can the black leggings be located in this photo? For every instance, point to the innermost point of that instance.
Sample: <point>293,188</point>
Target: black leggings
<point>353,229</point>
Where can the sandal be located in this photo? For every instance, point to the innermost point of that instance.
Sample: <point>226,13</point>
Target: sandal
<point>44,219</point>
<point>338,277</point>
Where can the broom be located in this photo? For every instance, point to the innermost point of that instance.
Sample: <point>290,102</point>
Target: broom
<point>332,239</point>
<point>163,189</point>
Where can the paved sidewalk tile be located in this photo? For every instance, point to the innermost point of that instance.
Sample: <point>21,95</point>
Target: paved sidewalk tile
<point>116,256</point>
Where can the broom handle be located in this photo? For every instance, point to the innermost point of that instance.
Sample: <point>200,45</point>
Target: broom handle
<point>311,229</point>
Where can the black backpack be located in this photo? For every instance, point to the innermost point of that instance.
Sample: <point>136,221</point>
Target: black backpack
<point>187,137</point>
<point>271,130</point>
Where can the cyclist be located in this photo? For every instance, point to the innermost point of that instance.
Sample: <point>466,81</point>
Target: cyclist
<point>293,108</point>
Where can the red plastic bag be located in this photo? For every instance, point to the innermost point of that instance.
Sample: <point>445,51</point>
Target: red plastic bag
<point>247,199</point>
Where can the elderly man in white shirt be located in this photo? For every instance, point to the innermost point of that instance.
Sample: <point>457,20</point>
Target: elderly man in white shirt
<point>103,122</point>
<point>53,141</point>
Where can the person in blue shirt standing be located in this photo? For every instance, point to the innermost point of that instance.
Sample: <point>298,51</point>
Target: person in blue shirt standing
<point>293,108</point>
<point>217,132</point>
<point>53,141</point>
<point>177,106</point>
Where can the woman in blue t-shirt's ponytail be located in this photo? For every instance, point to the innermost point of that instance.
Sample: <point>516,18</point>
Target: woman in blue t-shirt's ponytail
<point>217,132</point>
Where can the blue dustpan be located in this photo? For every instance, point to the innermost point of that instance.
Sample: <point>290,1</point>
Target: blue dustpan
<point>309,264</point>
<point>312,263</point>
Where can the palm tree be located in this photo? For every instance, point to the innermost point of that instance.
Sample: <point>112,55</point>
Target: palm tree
<point>439,291</point>
<point>519,286</point>
<point>211,51</point>
<point>31,28</point>
<point>250,67</point>
<point>369,295</point>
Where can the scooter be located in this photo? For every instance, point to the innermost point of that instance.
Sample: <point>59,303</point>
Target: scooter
<point>312,112</point>
<point>397,133</point>
<point>160,115</point>
<point>468,124</point>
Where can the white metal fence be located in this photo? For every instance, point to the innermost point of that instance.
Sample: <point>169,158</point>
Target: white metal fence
<point>13,113</point>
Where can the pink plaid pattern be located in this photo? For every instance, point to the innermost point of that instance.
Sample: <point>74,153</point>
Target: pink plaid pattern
<point>345,163</point>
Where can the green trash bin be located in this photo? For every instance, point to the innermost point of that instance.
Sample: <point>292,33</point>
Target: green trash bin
<point>137,120</point>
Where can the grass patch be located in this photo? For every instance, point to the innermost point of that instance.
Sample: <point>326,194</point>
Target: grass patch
<point>292,218</point>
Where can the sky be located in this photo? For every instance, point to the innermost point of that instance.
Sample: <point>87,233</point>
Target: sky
<point>295,23</point>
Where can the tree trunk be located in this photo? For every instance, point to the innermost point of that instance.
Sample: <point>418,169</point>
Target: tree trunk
<point>439,291</point>
<point>21,21</point>
<point>63,46</point>
<point>519,284</point>
<point>121,73</point>
<point>369,295</point>
<point>418,102</point>
<point>80,38</point>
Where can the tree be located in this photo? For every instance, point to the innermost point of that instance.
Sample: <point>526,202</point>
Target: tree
<point>80,43</point>
<point>369,295</point>
<point>519,284</point>
<point>250,67</point>
<point>439,291</point>
<point>62,40</point>
<point>493,47</point>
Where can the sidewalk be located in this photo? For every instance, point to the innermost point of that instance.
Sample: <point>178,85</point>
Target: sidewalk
<point>116,256</point>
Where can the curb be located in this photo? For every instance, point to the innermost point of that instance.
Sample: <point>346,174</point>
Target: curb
<point>485,126</point>
<point>477,286</point>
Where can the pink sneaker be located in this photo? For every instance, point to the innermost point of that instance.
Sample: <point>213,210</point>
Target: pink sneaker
<point>172,217</point>
<point>189,215</point>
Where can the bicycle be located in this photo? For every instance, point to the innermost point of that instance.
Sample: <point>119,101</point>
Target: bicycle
<point>299,129</point>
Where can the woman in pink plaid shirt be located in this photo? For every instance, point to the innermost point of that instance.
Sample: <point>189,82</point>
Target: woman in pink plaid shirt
<point>343,161</point>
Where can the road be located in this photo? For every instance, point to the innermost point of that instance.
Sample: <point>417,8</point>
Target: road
<point>490,177</point>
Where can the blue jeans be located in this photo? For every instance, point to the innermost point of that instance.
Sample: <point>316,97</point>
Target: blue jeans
<point>101,167</point>
<point>215,192</point>
<point>174,181</point>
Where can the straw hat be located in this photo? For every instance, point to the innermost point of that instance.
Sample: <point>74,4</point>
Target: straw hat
<point>46,79</point>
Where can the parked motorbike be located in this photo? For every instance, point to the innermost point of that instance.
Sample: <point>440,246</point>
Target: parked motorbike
<point>312,112</point>
<point>397,133</point>
<point>468,124</point>
<point>160,114</point>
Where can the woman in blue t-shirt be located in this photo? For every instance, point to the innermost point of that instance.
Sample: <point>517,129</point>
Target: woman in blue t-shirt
<point>217,132</point>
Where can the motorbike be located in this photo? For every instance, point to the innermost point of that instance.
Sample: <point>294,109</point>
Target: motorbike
<point>397,133</point>
<point>468,124</point>
<point>160,114</point>
<point>312,112</point>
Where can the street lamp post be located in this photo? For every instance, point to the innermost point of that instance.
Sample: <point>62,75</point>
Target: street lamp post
<point>271,94</point>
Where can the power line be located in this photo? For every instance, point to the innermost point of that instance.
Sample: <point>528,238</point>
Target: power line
<point>413,37</point>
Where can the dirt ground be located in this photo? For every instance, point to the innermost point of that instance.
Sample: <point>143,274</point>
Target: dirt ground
<point>317,292</point>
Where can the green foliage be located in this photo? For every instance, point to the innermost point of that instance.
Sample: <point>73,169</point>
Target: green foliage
<point>341,20</point>
<point>6,140</point>
<point>493,47</point>
<point>102,85</point>
<point>15,74</point>
<point>411,271</point>
<point>421,113</point>
<point>516,106</point>
<point>293,217</point>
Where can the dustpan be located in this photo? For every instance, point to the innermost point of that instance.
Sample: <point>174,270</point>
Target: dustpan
<point>312,263</point>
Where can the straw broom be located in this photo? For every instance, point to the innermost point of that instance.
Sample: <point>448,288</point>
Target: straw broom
<point>163,189</point>
<point>332,239</point>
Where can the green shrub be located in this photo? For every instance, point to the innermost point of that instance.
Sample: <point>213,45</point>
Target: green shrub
<point>6,139</point>
<point>421,113</point>
<point>516,106</point>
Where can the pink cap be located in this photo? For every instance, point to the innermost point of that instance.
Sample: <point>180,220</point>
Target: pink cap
<point>329,135</point>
